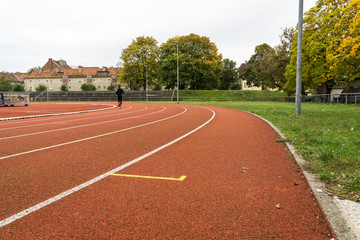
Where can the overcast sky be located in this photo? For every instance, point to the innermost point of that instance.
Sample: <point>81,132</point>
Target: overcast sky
<point>94,32</point>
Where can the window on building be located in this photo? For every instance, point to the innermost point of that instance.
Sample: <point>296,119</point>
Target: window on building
<point>99,87</point>
<point>104,87</point>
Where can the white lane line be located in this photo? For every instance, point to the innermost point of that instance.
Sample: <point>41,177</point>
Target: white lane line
<point>93,137</point>
<point>57,114</point>
<point>84,125</point>
<point>9,123</point>
<point>66,121</point>
<point>49,201</point>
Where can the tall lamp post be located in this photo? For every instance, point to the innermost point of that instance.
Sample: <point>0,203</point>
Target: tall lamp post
<point>299,61</point>
<point>146,92</point>
<point>177,69</point>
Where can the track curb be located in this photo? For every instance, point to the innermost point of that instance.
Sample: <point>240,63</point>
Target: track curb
<point>339,220</point>
<point>56,114</point>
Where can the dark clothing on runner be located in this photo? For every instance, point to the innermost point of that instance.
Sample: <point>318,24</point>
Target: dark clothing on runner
<point>119,93</point>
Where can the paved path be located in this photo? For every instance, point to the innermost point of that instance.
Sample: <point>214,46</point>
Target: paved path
<point>151,171</point>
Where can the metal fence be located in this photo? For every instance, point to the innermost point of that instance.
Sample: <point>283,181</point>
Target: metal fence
<point>345,98</point>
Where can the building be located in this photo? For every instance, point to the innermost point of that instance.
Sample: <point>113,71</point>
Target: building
<point>14,78</point>
<point>54,74</point>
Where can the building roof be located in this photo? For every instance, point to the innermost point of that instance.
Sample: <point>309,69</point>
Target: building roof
<point>242,67</point>
<point>14,77</point>
<point>60,68</point>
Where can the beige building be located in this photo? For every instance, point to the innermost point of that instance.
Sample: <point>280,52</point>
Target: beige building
<point>54,74</point>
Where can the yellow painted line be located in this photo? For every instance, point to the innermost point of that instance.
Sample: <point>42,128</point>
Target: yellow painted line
<point>182,178</point>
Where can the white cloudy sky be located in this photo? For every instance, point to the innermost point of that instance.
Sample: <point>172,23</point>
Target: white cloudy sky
<point>94,32</point>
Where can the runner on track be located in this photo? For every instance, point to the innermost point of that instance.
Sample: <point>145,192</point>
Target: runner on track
<point>119,93</point>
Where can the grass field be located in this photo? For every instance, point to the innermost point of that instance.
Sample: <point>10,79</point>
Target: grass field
<point>326,135</point>
<point>229,95</point>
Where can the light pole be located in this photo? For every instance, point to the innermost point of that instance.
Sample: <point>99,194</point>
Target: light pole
<point>177,70</point>
<point>299,61</point>
<point>146,91</point>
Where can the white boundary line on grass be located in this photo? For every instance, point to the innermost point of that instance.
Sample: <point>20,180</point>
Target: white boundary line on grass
<point>94,180</point>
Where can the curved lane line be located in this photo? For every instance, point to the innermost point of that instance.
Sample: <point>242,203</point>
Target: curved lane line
<point>58,114</point>
<point>93,137</point>
<point>84,125</point>
<point>73,120</point>
<point>49,201</point>
<point>10,123</point>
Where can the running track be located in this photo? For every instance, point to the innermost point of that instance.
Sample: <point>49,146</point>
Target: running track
<point>215,174</point>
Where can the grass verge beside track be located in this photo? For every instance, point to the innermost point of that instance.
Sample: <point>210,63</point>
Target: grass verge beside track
<point>326,135</point>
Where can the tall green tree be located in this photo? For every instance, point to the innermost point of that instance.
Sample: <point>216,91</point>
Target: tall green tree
<point>5,85</point>
<point>200,64</point>
<point>258,73</point>
<point>140,62</point>
<point>229,74</point>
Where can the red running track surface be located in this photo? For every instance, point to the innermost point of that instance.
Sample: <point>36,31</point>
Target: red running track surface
<point>239,183</point>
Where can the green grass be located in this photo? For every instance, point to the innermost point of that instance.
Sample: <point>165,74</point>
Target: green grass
<point>326,135</point>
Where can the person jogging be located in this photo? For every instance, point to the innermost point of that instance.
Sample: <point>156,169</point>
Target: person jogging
<point>119,93</point>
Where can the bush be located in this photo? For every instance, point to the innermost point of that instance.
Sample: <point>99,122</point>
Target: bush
<point>41,88</point>
<point>111,88</point>
<point>235,86</point>
<point>18,88</point>
<point>88,87</point>
<point>64,88</point>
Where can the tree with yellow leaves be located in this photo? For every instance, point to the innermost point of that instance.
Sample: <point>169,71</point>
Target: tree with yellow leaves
<point>331,45</point>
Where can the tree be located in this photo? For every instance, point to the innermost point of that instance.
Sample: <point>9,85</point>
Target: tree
<point>18,88</point>
<point>259,72</point>
<point>344,54</point>
<point>229,74</point>
<point>31,70</point>
<point>140,62</point>
<point>5,85</point>
<point>88,87</point>
<point>41,88</point>
<point>331,46</point>
<point>200,64</point>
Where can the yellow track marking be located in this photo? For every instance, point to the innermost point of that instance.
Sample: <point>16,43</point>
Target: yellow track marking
<point>182,178</point>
